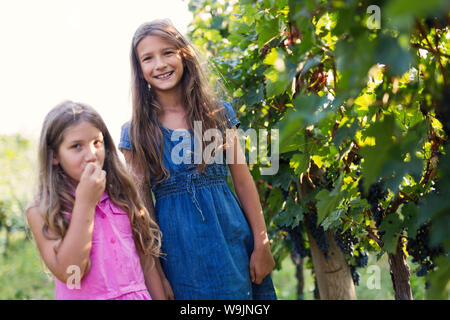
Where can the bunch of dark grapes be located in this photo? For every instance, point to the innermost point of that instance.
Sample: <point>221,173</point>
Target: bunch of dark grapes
<point>296,235</point>
<point>357,159</point>
<point>327,180</point>
<point>318,233</point>
<point>376,191</point>
<point>375,194</point>
<point>355,275</point>
<point>345,240</point>
<point>285,193</point>
<point>423,271</point>
<point>419,248</point>
<point>362,259</point>
<point>377,214</point>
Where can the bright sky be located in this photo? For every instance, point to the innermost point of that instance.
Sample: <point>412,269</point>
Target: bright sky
<point>71,49</point>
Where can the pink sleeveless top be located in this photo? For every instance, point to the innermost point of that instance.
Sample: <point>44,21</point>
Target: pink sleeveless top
<point>115,272</point>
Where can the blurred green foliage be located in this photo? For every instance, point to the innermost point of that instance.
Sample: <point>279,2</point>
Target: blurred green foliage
<point>18,176</point>
<point>23,275</point>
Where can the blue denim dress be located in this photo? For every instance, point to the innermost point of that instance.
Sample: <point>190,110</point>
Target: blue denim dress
<point>205,235</point>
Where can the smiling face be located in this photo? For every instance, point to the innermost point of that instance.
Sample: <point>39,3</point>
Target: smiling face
<point>161,64</point>
<point>82,143</point>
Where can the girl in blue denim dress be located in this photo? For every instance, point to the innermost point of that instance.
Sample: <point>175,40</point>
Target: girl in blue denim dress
<point>215,245</point>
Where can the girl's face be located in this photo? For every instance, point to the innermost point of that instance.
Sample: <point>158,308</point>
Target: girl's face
<point>82,143</point>
<point>161,63</point>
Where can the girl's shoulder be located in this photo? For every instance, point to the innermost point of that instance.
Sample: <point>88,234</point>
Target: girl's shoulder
<point>32,210</point>
<point>124,142</point>
<point>34,218</point>
<point>33,206</point>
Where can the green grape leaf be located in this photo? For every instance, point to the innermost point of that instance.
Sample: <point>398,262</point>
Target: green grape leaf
<point>291,128</point>
<point>384,150</point>
<point>299,162</point>
<point>283,177</point>
<point>280,73</point>
<point>440,281</point>
<point>392,54</point>
<point>392,226</point>
<point>291,215</point>
<point>344,132</point>
<point>254,95</point>
<point>275,199</point>
<point>310,63</point>
<point>329,201</point>
<point>311,108</point>
<point>408,214</point>
<point>267,29</point>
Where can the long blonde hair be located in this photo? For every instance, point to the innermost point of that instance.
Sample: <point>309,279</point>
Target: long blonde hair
<point>55,190</point>
<point>201,104</point>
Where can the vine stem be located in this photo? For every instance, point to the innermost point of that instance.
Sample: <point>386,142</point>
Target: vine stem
<point>434,147</point>
<point>407,197</point>
<point>433,50</point>
<point>334,77</point>
<point>419,46</point>
<point>374,237</point>
<point>369,230</point>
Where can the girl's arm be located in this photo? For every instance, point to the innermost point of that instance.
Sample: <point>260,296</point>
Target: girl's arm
<point>145,193</point>
<point>261,260</point>
<point>75,247</point>
<point>152,278</point>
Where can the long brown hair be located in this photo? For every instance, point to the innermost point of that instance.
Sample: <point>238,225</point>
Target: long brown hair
<point>55,193</point>
<point>200,103</point>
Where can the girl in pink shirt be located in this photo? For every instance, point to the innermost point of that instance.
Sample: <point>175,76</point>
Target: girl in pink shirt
<point>90,226</point>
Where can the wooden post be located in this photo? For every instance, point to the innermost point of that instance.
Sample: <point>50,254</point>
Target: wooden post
<point>333,274</point>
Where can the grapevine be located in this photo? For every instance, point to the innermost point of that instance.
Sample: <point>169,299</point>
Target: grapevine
<point>375,194</point>
<point>296,235</point>
<point>345,240</point>
<point>355,107</point>
<point>318,233</point>
<point>421,250</point>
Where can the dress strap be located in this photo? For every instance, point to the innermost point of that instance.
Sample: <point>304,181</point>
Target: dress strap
<point>191,177</point>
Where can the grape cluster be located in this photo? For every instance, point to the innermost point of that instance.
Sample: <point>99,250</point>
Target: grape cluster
<point>377,214</point>
<point>345,240</point>
<point>421,252</point>
<point>357,159</point>
<point>296,235</point>
<point>328,180</point>
<point>360,261</point>
<point>355,275</point>
<point>375,194</point>
<point>376,191</point>
<point>285,193</point>
<point>318,233</point>
<point>423,271</point>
